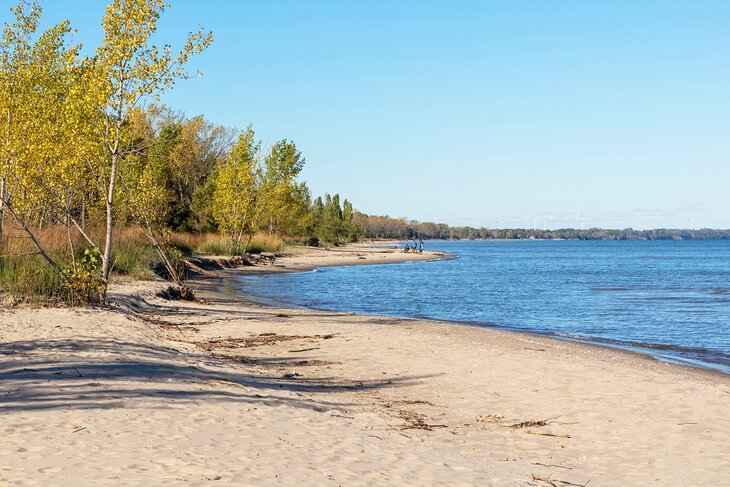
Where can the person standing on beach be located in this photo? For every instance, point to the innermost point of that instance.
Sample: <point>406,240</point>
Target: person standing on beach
<point>420,246</point>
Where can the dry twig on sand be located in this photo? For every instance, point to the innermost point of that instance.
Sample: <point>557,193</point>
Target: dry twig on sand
<point>415,421</point>
<point>165,325</point>
<point>530,423</point>
<point>391,403</point>
<point>552,465</point>
<point>555,482</point>
<point>257,340</point>
<point>545,433</point>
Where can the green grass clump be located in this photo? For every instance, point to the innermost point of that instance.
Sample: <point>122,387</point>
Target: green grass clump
<point>258,247</point>
<point>32,278</point>
<point>134,261</point>
<point>215,248</point>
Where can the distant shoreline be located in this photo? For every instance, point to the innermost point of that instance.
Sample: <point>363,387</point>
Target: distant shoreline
<point>721,236</point>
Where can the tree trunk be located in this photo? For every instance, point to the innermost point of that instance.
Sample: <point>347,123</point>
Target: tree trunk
<point>248,243</point>
<point>152,238</point>
<point>2,208</point>
<point>71,249</point>
<point>107,257</point>
<point>83,211</point>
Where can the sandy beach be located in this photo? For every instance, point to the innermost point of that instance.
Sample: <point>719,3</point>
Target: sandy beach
<point>224,392</point>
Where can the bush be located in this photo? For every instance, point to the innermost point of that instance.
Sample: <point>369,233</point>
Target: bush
<point>85,281</point>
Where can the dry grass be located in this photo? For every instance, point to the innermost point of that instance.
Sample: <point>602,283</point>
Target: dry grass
<point>25,273</point>
<point>215,244</point>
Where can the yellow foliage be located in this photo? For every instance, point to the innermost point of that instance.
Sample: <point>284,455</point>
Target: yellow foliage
<point>234,200</point>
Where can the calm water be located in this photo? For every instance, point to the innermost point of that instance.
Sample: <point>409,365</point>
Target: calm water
<point>670,298</point>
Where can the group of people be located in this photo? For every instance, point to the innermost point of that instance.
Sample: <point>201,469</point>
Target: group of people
<point>416,247</point>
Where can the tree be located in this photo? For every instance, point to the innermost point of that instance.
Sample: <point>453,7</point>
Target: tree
<point>43,126</point>
<point>201,145</point>
<point>192,147</point>
<point>235,197</point>
<point>16,53</point>
<point>130,70</point>
<point>281,196</point>
<point>147,194</point>
<point>296,220</point>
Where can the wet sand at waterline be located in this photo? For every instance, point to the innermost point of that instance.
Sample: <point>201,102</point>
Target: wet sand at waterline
<point>222,392</point>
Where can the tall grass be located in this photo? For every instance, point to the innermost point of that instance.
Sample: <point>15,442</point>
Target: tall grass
<point>32,278</point>
<point>263,242</point>
<point>192,243</point>
<point>216,244</point>
<point>24,272</point>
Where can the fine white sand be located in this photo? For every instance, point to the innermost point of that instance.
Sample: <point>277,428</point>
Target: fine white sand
<point>158,392</point>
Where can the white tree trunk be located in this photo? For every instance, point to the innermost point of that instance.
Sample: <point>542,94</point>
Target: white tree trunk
<point>107,257</point>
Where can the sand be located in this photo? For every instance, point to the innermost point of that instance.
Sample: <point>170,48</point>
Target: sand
<point>158,392</point>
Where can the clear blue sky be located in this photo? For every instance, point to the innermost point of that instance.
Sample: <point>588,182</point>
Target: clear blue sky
<point>476,112</point>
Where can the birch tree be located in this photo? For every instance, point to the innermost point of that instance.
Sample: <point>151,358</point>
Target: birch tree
<point>130,71</point>
<point>45,130</point>
<point>15,60</point>
<point>236,193</point>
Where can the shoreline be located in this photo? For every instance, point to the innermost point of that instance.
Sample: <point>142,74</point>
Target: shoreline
<point>217,278</point>
<point>164,392</point>
<point>350,256</point>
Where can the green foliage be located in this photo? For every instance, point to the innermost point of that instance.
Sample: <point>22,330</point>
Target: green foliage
<point>401,228</point>
<point>216,248</point>
<point>84,278</point>
<point>283,203</point>
<point>256,247</point>
<point>201,217</point>
<point>333,223</point>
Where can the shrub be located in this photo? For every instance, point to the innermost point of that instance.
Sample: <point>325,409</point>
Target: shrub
<point>84,280</point>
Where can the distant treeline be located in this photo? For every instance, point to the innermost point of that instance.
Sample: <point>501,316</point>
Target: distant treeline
<point>401,228</point>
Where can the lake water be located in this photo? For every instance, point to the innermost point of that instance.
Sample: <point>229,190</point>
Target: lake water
<point>670,299</point>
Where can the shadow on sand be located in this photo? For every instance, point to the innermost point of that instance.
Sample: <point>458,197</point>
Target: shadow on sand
<point>103,374</point>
